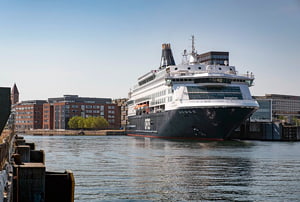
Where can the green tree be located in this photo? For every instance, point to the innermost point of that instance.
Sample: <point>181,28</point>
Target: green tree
<point>296,121</point>
<point>81,122</point>
<point>73,122</point>
<point>76,122</point>
<point>100,123</point>
<point>88,122</point>
<point>282,118</point>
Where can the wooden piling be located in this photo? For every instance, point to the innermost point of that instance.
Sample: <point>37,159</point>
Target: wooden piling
<point>29,182</point>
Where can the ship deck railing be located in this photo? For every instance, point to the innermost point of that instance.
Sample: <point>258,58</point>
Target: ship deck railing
<point>192,73</point>
<point>179,73</point>
<point>216,102</point>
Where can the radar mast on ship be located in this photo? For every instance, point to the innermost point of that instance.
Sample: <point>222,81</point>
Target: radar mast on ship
<point>193,55</point>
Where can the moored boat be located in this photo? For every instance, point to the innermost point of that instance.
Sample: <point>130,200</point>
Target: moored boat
<point>192,100</point>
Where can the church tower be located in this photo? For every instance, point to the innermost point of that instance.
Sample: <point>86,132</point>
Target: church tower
<point>14,95</point>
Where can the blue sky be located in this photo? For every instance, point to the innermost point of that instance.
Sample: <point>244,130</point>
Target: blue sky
<point>98,48</point>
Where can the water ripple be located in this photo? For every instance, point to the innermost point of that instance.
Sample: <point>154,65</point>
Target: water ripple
<point>138,169</point>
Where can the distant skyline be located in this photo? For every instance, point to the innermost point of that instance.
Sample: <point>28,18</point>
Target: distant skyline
<point>99,48</point>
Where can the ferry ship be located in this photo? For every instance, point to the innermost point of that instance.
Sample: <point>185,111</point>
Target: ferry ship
<point>191,100</point>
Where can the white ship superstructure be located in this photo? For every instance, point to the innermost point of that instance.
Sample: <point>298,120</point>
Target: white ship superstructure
<point>190,101</point>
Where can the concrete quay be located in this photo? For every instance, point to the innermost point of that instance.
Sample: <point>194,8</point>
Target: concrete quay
<point>72,132</point>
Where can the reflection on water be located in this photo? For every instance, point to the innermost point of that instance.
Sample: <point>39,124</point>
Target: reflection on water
<point>143,169</point>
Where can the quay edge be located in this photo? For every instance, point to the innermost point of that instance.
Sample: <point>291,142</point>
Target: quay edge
<point>23,175</point>
<point>72,132</point>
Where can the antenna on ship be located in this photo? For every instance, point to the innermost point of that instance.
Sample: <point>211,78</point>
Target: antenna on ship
<point>184,57</point>
<point>193,44</point>
<point>193,57</point>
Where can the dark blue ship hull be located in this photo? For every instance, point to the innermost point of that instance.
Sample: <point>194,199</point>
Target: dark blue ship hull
<point>193,123</point>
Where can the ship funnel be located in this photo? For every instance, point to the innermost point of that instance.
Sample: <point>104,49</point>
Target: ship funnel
<point>166,56</point>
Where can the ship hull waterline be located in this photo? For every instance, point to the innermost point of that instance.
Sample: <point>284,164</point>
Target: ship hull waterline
<point>212,124</point>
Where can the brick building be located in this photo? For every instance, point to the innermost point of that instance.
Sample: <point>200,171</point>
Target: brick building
<point>29,115</point>
<point>47,116</point>
<point>122,104</point>
<point>58,111</point>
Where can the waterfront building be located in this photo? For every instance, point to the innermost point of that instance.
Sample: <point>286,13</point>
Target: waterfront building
<point>58,111</point>
<point>214,58</point>
<point>122,104</point>
<point>29,115</point>
<point>264,113</point>
<point>276,119</point>
<point>47,116</point>
<point>287,106</point>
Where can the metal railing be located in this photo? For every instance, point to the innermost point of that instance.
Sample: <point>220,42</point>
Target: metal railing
<point>191,73</point>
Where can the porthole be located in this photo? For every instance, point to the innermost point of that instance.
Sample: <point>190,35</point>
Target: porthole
<point>220,68</point>
<point>199,67</point>
<point>189,68</point>
<point>176,68</point>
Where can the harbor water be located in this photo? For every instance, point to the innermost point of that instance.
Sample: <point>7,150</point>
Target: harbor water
<point>121,168</point>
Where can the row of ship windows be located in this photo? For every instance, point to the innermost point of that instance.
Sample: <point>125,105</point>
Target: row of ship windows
<point>214,89</point>
<point>153,96</point>
<point>161,93</point>
<point>219,57</point>
<point>158,94</point>
<point>209,57</point>
<point>147,80</point>
<point>161,100</point>
<point>197,96</point>
<point>200,68</point>
<point>211,80</point>
<point>200,92</point>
